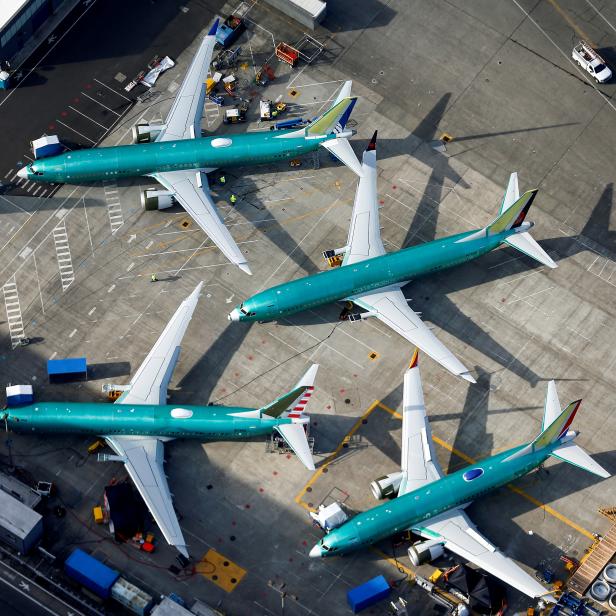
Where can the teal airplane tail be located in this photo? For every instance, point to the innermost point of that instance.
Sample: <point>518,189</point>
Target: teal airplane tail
<point>512,217</point>
<point>555,431</point>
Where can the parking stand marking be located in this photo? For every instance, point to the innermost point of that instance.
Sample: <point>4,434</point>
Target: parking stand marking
<point>63,254</point>
<point>114,209</point>
<point>13,312</point>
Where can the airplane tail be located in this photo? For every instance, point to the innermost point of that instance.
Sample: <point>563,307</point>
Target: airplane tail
<point>291,406</point>
<point>333,122</point>
<point>335,119</point>
<point>555,429</point>
<point>513,211</point>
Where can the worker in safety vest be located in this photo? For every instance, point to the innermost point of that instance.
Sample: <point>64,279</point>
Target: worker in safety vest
<point>233,199</point>
<point>153,278</point>
<point>222,179</point>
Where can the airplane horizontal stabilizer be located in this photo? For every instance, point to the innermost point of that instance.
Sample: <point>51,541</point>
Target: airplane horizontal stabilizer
<point>573,454</point>
<point>342,150</point>
<point>294,435</point>
<point>525,243</point>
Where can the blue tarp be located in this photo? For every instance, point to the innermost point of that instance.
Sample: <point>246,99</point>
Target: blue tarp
<point>368,594</point>
<point>91,573</point>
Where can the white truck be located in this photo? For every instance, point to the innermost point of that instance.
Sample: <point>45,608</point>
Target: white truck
<point>591,62</point>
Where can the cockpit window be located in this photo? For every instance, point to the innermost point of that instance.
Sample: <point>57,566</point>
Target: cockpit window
<point>242,309</point>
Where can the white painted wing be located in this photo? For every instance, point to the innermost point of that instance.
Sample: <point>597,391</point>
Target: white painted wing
<point>460,536</point>
<point>391,307</point>
<point>191,190</point>
<point>144,459</point>
<point>184,119</point>
<point>419,463</point>
<point>149,385</point>
<point>295,436</point>
<point>364,241</point>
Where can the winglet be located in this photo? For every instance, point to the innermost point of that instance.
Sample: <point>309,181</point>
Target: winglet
<point>372,144</point>
<point>415,359</point>
<point>214,28</point>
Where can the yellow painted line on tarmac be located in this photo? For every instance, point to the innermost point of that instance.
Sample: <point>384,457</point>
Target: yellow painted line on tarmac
<point>570,21</point>
<point>333,456</point>
<point>522,493</point>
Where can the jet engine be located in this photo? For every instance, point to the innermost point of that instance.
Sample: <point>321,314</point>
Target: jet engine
<point>153,199</point>
<point>425,552</point>
<point>144,133</point>
<point>387,486</point>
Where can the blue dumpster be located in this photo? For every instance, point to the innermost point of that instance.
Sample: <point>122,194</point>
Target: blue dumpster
<point>67,370</point>
<point>368,594</point>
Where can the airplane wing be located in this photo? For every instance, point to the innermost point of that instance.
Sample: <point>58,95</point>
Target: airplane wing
<point>419,463</point>
<point>390,307</point>
<point>191,190</point>
<point>144,459</point>
<point>364,240</point>
<point>184,118</point>
<point>149,385</point>
<point>460,536</point>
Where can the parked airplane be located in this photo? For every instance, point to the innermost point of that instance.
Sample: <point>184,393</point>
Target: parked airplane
<point>431,505</point>
<point>141,421</point>
<point>372,279</point>
<point>179,158</point>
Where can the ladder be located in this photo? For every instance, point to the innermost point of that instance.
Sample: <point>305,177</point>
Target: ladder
<point>13,312</point>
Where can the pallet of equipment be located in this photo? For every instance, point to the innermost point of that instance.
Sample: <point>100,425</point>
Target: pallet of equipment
<point>600,555</point>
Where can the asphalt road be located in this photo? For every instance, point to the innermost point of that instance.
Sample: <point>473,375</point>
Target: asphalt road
<point>73,86</point>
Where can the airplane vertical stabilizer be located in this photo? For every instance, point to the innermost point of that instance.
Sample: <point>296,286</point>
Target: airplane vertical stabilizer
<point>511,216</point>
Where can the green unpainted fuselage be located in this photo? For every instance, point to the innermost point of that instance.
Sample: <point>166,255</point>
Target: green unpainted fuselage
<point>408,511</point>
<point>204,422</point>
<point>369,275</point>
<point>149,158</point>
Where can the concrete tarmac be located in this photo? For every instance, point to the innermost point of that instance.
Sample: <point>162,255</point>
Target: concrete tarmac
<point>499,82</point>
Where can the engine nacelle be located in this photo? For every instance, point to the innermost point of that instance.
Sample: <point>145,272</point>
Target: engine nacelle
<point>144,133</point>
<point>425,552</point>
<point>387,486</point>
<point>152,199</point>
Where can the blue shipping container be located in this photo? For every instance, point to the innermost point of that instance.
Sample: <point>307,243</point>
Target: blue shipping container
<point>368,594</point>
<point>91,573</point>
<point>70,369</point>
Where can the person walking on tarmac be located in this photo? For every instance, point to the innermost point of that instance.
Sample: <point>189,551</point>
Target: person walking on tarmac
<point>233,199</point>
<point>153,278</point>
<point>222,179</point>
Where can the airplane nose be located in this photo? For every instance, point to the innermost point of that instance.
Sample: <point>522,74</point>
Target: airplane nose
<point>23,173</point>
<point>315,552</point>
<point>234,315</point>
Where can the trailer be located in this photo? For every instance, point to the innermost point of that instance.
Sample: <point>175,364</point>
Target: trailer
<point>91,573</point>
<point>288,54</point>
<point>229,31</point>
